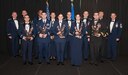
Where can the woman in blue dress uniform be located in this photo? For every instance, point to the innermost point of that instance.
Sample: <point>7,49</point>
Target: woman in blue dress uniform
<point>76,45</point>
<point>27,35</point>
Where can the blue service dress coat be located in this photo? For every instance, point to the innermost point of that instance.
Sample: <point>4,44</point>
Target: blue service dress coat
<point>13,32</point>
<point>113,35</point>
<point>27,43</point>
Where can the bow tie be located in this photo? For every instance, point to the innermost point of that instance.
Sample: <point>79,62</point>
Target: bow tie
<point>14,19</point>
<point>95,20</point>
<point>85,18</point>
<point>112,21</point>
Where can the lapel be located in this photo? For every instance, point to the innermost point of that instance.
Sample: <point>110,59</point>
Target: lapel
<point>42,23</point>
<point>29,24</point>
<point>52,24</point>
<point>71,24</point>
<point>94,22</point>
<point>61,24</point>
<point>114,25</point>
<point>87,22</point>
<point>14,24</point>
<point>79,24</point>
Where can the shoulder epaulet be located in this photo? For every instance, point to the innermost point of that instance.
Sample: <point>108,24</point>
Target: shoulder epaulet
<point>64,19</point>
<point>32,21</point>
<point>9,19</point>
<point>21,22</point>
<point>90,18</point>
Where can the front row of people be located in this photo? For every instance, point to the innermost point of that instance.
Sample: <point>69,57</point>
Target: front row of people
<point>63,39</point>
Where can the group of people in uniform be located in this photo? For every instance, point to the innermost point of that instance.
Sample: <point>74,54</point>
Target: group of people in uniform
<point>64,38</point>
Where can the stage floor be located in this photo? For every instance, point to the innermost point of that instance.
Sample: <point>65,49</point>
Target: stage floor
<point>14,66</point>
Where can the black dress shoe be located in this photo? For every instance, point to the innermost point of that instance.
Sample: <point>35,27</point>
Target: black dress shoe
<point>24,63</point>
<point>102,61</point>
<point>18,55</point>
<point>30,63</point>
<point>62,63</point>
<point>112,60</point>
<point>77,65</point>
<point>14,56</point>
<point>36,57</point>
<point>58,63</point>
<point>85,59</point>
<point>39,63</point>
<point>50,58</point>
<point>48,63</point>
<point>96,64</point>
<point>91,63</point>
<point>54,58</point>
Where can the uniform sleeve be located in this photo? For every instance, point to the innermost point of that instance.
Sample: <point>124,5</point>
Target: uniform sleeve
<point>120,27</point>
<point>34,30</point>
<point>66,29</point>
<point>8,28</point>
<point>20,31</point>
<point>37,28</point>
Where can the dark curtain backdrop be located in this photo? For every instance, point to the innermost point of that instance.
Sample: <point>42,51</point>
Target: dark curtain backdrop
<point>62,6</point>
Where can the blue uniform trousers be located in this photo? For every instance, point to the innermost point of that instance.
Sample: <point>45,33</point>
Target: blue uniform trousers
<point>86,47</point>
<point>52,48</point>
<point>60,45</point>
<point>15,46</point>
<point>27,50</point>
<point>35,47</point>
<point>43,49</point>
<point>112,48</point>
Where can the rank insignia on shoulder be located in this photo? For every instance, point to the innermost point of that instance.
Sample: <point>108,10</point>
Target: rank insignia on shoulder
<point>116,25</point>
<point>9,19</point>
<point>121,26</point>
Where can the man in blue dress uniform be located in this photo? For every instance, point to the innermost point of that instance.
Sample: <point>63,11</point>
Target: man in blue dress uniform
<point>35,44</point>
<point>60,38</point>
<point>86,37</point>
<point>76,47</point>
<point>43,38</point>
<point>115,28</point>
<point>13,34</point>
<point>27,34</point>
<point>69,36</point>
<point>52,47</point>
